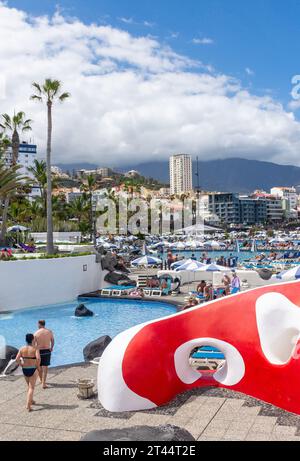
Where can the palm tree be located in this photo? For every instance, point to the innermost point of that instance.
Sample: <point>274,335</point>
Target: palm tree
<point>4,143</point>
<point>15,124</point>
<point>39,173</point>
<point>88,189</point>
<point>78,208</point>
<point>9,179</point>
<point>49,92</point>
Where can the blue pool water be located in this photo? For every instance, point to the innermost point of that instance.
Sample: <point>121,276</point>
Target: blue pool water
<point>242,256</point>
<point>73,334</point>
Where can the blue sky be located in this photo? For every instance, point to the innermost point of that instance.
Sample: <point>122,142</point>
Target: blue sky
<point>262,36</point>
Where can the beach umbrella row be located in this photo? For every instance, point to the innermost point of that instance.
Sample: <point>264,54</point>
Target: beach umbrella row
<point>179,263</point>
<point>291,274</point>
<point>196,266</point>
<point>146,261</point>
<point>190,265</point>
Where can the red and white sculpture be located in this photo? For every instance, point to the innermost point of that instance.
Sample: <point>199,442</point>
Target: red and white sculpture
<point>258,332</point>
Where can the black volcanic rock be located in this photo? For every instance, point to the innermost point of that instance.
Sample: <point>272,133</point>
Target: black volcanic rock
<point>83,311</point>
<point>96,348</point>
<point>117,279</point>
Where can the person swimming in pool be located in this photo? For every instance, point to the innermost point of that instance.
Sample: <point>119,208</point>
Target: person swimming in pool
<point>29,359</point>
<point>44,341</point>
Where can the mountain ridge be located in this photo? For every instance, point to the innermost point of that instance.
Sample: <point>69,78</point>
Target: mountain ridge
<point>223,175</point>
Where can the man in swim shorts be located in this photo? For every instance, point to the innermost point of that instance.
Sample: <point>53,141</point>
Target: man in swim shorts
<point>44,341</point>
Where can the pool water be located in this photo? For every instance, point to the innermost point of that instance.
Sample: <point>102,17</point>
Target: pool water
<point>71,333</point>
<point>214,255</point>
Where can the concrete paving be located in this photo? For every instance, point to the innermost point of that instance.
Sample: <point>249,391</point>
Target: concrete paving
<point>209,414</point>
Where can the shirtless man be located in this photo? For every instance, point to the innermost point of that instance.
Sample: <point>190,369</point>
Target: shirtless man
<point>44,341</point>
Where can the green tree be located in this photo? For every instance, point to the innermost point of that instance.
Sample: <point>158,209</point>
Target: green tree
<point>79,209</point>
<point>49,92</point>
<point>39,173</point>
<point>4,144</point>
<point>15,124</point>
<point>10,179</point>
<point>88,188</point>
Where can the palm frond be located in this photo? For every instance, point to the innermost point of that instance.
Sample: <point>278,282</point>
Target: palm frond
<point>7,125</point>
<point>64,96</point>
<point>34,97</point>
<point>9,179</point>
<point>28,122</point>
<point>37,87</point>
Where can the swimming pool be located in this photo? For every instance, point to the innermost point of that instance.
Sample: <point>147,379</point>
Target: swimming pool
<point>72,334</point>
<point>214,255</point>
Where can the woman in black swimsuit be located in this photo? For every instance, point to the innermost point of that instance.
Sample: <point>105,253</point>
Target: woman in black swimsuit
<point>29,359</point>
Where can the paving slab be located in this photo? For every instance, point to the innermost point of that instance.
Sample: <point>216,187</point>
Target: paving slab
<point>208,414</point>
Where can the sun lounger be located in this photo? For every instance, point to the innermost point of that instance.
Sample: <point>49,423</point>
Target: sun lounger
<point>208,357</point>
<point>142,281</point>
<point>28,249</point>
<point>117,290</point>
<point>156,293</point>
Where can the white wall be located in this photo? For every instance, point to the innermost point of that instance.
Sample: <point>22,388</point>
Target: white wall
<point>73,237</point>
<point>47,281</point>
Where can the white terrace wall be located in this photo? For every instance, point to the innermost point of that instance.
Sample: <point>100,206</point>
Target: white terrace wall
<point>47,281</point>
<point>73,237</point>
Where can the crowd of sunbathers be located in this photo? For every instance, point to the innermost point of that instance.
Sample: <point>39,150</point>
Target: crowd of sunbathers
<point>230,262</point>
<point>206,292</point>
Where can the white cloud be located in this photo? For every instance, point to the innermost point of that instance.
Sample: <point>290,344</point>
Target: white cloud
<point>149,24</point>
<point>131,21</point>
<point>134,99</point>
<point>294,105</point>
<point>249,71</point>
<point>174,35</point>
<point>127,20</point>
<point>203,41</point>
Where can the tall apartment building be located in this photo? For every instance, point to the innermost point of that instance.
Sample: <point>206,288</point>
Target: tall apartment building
<point>27,155</point>
<point>181,174</point>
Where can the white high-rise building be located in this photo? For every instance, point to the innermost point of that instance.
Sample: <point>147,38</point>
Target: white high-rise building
<point>181,174</point>
<point>27,155</point>
<point>288,193</point>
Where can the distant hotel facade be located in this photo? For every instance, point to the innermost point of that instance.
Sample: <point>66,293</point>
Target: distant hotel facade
<point>231,208</point>
<point>181,174</point>
<point>27,156</point>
